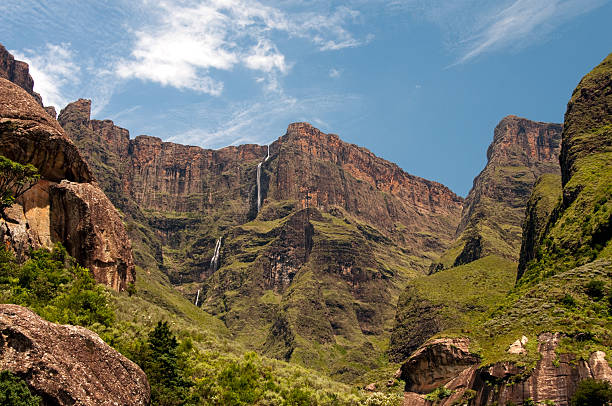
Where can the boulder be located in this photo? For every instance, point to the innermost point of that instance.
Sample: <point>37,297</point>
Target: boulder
<point>67,365</point>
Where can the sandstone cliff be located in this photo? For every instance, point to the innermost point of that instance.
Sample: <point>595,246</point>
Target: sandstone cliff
<point>17,72</point>
<point>369,227</point>
<point>66,205</point>
<point>521,151</point>
<point>67,365</point>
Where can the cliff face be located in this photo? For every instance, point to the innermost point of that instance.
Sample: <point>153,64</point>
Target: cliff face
<point>369,227</point>
<point>17,72</point>
<point>67,365</point>
<point>66,205</point>
<point>521,151</point>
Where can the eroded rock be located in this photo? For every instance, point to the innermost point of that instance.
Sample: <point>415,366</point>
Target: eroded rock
<point>67,365</point>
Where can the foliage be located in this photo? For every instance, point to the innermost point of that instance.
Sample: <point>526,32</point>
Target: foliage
<point>383,399</point>
<point>15,180</point>
<point>595,289</point>
<point>438,394</point>
<point>15,392</point>
<point>54,286</point>
<point>592,392</point>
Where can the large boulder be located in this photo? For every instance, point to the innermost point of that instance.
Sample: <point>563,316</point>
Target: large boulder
<point>67,365</point>
<point>66,205</point>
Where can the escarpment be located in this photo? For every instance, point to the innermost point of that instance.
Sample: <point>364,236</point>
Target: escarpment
<point>84,220</point>
<point>521,151</point>
<point>17,72</point>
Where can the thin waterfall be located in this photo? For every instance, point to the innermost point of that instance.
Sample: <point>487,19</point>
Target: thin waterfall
<point>259,186</point>
<point>197,298</point>
<point>259,179</point>
<point>214,261</point>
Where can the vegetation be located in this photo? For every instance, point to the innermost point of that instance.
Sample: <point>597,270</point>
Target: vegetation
<point>56,287</point>
<point>15,392</point>
<point>592,392</point>
<point>15,180</point>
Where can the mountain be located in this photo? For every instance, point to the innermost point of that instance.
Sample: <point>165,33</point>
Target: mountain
<point>296,283</point>
<point>552,329</point>
<point>522,150</point>
<point>488,239</point>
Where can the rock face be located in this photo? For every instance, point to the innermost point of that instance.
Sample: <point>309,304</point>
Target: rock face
<point>521,151</point>
<point>448,362</point>
<point>17,72</point>
<point>66,205</point>
<point>331,261</point>
<point>67,365</point>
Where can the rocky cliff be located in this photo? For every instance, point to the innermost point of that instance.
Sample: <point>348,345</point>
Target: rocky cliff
<point>553,328</point>
<point>66,205</point>
<point>17,72</point>
<point>369,227</point>
<point>67,365</point>
<point>521,151</point>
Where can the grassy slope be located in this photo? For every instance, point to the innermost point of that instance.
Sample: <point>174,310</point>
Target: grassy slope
<point>216,348</point>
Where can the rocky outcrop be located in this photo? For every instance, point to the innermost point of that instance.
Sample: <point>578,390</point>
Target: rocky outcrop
<point>448,362</point>
<point>17,72</point>
<point>67,365</point>
<point>66,205</point>
<point>540,207</point>
<point>521,151</point>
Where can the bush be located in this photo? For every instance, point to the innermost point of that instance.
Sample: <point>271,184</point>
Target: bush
<point>595,289</point>
<point>592,392</point>
<point>438,394</point>
<point>54,286</point>
<point>568,300</point>
<point>15,392</point>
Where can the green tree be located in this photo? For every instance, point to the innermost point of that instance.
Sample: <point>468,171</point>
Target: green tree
<point>15,180</point>
<point>161,364</point>
<point>15,392</point>
<point>592,392</point>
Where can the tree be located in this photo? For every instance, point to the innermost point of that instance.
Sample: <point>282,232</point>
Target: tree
<point>592,392</point>
<point>168,386</point>
<point>15,392</point>
<point>15,180</point>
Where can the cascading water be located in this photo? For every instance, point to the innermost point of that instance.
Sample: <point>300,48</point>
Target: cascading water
<point>214,261</point>
<point>259,180</point>
<point>197,298</point>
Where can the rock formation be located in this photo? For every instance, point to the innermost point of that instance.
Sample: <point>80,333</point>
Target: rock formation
<point>66,205</point>
<point>521,151</point>
<point>449,362</point>
<point>67,365</point>
<point>17,72</point>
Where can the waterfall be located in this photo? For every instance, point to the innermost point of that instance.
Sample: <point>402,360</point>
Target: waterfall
<point>214,261</point>
<point>259,179</point>
<point>259,186</point>
<point>197,298</point>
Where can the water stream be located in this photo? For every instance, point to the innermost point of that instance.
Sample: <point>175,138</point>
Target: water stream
<point>214,261</point>
<point>259,180</point>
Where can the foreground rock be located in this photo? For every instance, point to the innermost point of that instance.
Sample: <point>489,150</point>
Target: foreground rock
<point>448,362</point>
<point>67,365</point>
<point>66,205</point>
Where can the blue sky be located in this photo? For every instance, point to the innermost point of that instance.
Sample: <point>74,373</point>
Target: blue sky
<point>419,82</point>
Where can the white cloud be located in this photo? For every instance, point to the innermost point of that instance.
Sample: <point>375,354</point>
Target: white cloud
<point>334,73</point>
<point>53,69</point>
<point>186,42</point>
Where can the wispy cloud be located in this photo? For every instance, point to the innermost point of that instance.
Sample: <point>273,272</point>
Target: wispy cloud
<point>53,68</point>
<point>261,121</point>
<point>475,27</point>
<point>521,23</point>
<point>334,73</point>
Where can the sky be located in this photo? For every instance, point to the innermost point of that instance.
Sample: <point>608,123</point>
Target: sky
<point>421,83</point>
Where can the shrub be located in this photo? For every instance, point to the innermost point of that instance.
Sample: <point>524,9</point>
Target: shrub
<point>15,392</point>
<point>595,289</point>
<point>15,180</point>
<point>568,300</point>
<point>438,394</point>
<point>592,392</point>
